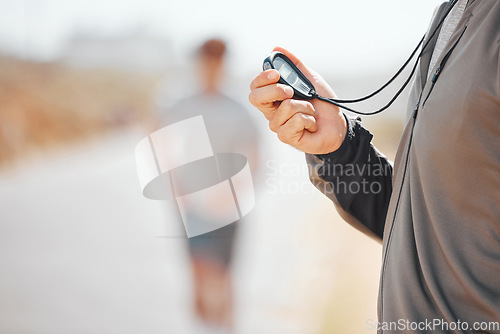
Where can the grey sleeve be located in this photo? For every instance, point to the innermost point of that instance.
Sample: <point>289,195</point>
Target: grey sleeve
<point>357,178</point>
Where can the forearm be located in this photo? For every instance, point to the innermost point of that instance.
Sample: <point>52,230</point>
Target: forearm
<point>357,178</point>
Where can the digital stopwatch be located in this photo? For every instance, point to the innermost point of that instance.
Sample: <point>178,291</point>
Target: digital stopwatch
<point>290,75</point>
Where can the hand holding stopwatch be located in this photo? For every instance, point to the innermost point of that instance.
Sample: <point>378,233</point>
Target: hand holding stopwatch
<point>290,75</point>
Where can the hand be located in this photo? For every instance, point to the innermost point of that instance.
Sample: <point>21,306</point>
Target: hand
<point>314,126</point>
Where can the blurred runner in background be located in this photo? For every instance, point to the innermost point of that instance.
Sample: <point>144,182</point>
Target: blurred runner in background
<point>231,130</point>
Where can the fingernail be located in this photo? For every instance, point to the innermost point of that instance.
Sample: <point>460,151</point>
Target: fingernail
<point>273,75</point>
<point>289,91</point>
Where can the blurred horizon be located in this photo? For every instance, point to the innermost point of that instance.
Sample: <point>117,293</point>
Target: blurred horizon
<point>330,36</point>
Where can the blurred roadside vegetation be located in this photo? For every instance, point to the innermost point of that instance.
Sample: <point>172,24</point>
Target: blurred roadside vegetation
<point>43,105</point>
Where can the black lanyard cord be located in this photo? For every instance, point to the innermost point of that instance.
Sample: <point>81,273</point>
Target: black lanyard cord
<point>338,102</point>
<point>390,80</point>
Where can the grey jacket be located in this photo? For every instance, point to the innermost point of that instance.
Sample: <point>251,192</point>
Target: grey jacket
<point>438,212</point>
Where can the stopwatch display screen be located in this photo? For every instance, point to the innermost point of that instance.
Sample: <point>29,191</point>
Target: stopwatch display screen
<point>286,72</point>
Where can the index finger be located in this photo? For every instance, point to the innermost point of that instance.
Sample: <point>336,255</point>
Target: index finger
<point>265,78</point>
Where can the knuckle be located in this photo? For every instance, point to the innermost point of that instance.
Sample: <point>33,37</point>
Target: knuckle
<point>256,81</point>
<point>310,108</point>
<point>305,118</point>
<point>282,136</point>
<point>283,91</point>
<point>287,105</point>
<point>297,120</point>
<point>272,126</point>
<point>253,83</point>
<point>267,114</point>
<point>251,97</point>
<point>254,98</point>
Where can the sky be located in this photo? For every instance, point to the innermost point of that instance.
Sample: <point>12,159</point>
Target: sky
<point>339,35</point>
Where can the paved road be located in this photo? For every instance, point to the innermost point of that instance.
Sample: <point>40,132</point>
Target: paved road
<point>79,251</point>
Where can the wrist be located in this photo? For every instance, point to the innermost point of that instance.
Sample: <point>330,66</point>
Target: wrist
<point>349,146</point>
<point>339,134</point>
<point>342,132</point>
